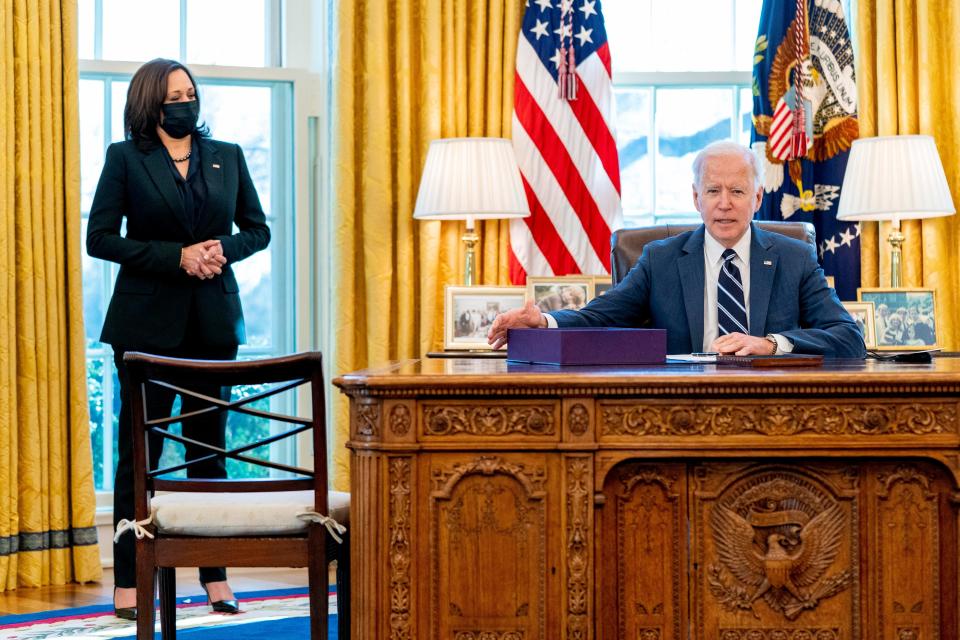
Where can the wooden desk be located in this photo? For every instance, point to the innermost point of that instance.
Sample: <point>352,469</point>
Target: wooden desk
<point>494,501</point>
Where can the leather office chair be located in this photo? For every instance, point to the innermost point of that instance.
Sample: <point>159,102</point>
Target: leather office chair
<point>626,245</point>
<point>274,522</point>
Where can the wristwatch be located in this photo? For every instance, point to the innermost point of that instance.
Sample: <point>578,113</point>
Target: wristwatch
<point>776,345</point>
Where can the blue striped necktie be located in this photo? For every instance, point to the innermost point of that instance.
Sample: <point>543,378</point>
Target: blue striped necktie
<point>731,312</point>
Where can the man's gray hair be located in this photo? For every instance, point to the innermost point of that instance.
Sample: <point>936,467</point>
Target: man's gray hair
<point>726,148</point>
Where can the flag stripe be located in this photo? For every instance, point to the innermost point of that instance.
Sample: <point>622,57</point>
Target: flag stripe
<point>546,237</point>
<point>550,196</point>
<point>599,135</point>
<point>558,160</point>
<point>576,139</point>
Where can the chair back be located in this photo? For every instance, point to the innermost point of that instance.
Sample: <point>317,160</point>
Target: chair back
<point>217,522</point>
<point>149,372</point>
<point>626,245</point>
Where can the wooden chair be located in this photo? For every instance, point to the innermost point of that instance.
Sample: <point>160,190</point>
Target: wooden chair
<point>234,523</point>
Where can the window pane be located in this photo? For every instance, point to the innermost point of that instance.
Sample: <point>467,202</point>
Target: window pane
<point>85,29</point>
<point>234,36</point>
<point>687,121</point>
<point>91,140</point>
<point>94,299</point>
<point>748,26</point>
<point>633,145</point>
<point>629,33</point>
<point>746,116</point>
<point>242,115</point>
<point>693,35</point>
<point>256,296</point>
<point>95,404</point>
<point>118,100</point>
<point>141,29</point>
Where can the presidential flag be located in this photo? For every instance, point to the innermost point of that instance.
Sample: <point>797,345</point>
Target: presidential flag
<point>563,135</point>
<point>803,56</point>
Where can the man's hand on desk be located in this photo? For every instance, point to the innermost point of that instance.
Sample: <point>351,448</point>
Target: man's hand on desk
<point>528,317</point>
<point>740,344</point>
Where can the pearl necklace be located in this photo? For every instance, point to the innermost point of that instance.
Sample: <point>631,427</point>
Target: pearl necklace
<point>183,158</point>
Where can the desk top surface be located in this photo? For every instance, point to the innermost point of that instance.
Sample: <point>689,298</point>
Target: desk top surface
<point>478,374</point>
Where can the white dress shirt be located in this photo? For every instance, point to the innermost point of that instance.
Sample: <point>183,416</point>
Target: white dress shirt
<point>712,261</point>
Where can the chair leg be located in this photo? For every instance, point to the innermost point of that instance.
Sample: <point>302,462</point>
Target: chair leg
<point>343,587</point>
<point>168,603</point>
<point>146,586</point>
<point>318,581</point>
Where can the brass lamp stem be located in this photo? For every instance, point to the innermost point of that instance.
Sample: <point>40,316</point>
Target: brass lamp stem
<point>470,239</point>
<point>896,267</point>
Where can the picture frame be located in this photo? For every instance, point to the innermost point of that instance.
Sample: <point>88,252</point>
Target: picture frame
<point>601,284</point>
<point>905,319</point>
<point>560,292</point>
<point>468,313</point>
<point>863,314</point>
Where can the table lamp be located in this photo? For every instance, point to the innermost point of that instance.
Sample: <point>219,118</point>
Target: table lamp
<point>894,178</point>
<point>470,179</point>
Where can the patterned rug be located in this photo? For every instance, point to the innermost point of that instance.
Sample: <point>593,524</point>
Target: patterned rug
<point>264,614</point>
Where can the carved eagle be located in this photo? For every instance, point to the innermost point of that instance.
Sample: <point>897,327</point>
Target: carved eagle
<point>791,564</point>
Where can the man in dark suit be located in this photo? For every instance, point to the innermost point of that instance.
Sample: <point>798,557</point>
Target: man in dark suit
<point>727,286</point>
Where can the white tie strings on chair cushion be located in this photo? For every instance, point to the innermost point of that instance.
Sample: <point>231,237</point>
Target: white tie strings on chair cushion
<point>243,514</point>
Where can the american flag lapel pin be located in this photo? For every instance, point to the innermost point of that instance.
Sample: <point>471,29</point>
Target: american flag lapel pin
<point>215,166</point>
<point>767,263</point>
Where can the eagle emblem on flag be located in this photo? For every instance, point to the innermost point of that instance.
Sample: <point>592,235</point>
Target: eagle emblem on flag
<point>805,120</point>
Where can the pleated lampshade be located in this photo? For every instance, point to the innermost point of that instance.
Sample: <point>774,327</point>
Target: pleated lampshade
<point>894,178</point>
<point>470,178</point>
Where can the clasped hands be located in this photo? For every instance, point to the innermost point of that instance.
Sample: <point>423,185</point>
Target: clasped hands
<point>530,317</point>
<point>203,260</point>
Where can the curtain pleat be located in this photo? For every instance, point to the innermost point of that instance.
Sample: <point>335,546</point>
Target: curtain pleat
<point>47,503</point>
<point>407,72</point>
<point>907,62</point>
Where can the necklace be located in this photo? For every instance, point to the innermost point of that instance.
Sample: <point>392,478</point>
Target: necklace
<point>182,158</point>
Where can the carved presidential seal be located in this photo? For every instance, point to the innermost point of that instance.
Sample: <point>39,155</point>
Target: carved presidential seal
<point>777,536</point>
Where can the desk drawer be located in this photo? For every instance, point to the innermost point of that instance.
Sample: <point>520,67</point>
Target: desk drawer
<point>516,420</point>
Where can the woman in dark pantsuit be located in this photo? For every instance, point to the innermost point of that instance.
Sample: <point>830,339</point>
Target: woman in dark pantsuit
<point>176,295</point>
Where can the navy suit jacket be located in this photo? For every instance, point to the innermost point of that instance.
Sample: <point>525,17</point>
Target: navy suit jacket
<point>153,298</point>
<point>789,296</point>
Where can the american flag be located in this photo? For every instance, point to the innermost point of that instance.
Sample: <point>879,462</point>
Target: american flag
<point>565,142</point>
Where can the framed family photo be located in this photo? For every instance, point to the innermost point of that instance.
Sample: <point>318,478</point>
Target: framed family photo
<point>601,284</point>
<point>556,293</point>
<point>468,313</point>
<point>904,319</point>
<point>863,315</point>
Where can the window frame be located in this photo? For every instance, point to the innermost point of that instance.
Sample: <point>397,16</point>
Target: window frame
<point>657,80</point>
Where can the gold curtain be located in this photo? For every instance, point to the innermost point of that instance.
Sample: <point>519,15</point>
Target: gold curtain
<point>409,71</point>
<point>47,505</point>
<point>907,82</point>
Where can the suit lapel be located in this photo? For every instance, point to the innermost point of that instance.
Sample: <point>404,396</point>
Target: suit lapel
<point>159,171</point>
<point>211,168</point>
<point>690,266</point>
<point>763,266</point>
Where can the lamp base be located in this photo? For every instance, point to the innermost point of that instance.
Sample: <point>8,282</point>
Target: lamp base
<point>895,239</point>
<point>470,239</point>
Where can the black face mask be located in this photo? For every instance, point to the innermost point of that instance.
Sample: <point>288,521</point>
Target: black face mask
<point>180,118</point>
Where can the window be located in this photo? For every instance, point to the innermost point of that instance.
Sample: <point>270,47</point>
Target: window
<point>250,103</point>
<point>682,79</point>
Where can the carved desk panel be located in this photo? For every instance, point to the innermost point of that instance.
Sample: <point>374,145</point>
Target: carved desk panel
<point>493,501</point>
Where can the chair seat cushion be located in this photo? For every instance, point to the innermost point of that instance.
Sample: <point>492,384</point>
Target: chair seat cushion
<point>241,514</point>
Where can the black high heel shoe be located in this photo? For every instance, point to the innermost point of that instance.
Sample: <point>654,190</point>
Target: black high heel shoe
<point>219,606</point>
<point>124,613</point>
